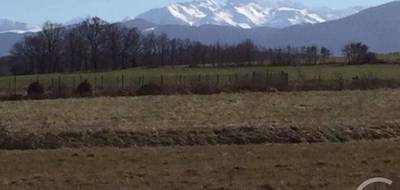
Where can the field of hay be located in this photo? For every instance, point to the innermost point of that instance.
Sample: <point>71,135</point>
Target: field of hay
<point>263,167</point>
<point>299,109</point>
<point>235,118</point>
<point>276,141</point>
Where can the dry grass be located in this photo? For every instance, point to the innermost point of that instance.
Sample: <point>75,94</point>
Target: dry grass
<point>268,167</point>
<point>299,109</point>
<point>265,167</point>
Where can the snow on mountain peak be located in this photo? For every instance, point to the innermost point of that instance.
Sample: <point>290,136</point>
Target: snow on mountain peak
<point>10,26</point>
<point>243,13</point>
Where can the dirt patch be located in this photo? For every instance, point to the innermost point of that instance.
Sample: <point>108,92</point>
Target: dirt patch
<point>201,136</point>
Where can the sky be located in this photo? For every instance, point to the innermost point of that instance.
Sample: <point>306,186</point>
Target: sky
<point>39,11</point>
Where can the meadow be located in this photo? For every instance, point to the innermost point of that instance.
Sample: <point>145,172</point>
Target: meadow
<point>172,75</point>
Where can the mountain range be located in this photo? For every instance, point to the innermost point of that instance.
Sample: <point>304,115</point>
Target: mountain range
<point>377,26</point>
<point>243,13</point>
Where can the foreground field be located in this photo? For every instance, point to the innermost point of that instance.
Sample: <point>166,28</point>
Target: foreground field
<point>264,167</point>
<point>300,109</point>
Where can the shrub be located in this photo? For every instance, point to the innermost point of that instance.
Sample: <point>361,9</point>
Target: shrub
<point>151,89</point>
<point>84,89</point>
<point>204,89</point>
<point>35,90</point>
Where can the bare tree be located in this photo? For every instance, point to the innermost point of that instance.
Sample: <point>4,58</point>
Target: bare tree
<point>92,29</point>
<point>52,34</point>
<point>113,43</point>
<point>131,47</point>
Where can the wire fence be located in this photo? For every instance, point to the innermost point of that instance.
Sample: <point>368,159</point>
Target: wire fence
<point>65,86</point>
<point>16,87</point>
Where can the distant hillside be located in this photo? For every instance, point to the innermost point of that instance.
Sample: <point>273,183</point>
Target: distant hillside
<point>7,41</point>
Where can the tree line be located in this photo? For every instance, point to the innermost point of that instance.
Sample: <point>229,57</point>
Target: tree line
<point>95,45</point>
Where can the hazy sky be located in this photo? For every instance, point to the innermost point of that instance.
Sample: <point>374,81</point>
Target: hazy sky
<point>38,11</point>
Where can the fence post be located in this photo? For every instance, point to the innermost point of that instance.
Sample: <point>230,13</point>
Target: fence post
<point>162,79</point>
<point>15,85</point>
<point>73,83</point>
<point>95,85</point>
<point>236,77</point>
<point>59,86</point>
<point>123,81</point>
<point>9,87</point>
<point>52,85</point>
<point>284,80</point>
<point>102,82</point>
<point>117,81</point>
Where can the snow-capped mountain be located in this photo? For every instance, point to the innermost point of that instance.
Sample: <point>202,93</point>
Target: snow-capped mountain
<point>243,13</point>
<point>10,26</point>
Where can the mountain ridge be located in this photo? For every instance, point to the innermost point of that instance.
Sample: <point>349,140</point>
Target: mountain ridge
<point>243,13</point>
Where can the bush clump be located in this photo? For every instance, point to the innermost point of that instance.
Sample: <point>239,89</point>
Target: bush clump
<point>84,89</point>
<point>35,90</point>
<point>204,89</point>
<point>151,89</point>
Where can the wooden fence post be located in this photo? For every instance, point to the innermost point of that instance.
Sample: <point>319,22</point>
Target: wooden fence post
<point>52,85</point>
<point>59,85</point>
<point>122,81</point>
<point>73,83</point>
<point>15,85</point>
<point>236,77</point>
<point>95,85</point>
<point>9,87</point>
<point>284,80</point>
<point>117,81</point>
<point>102,82</point>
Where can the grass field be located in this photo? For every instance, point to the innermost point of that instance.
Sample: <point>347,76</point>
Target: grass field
<point>264,167</point>
<point>300,109</point>
<point>172,74</point>
<point>221,167</point>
